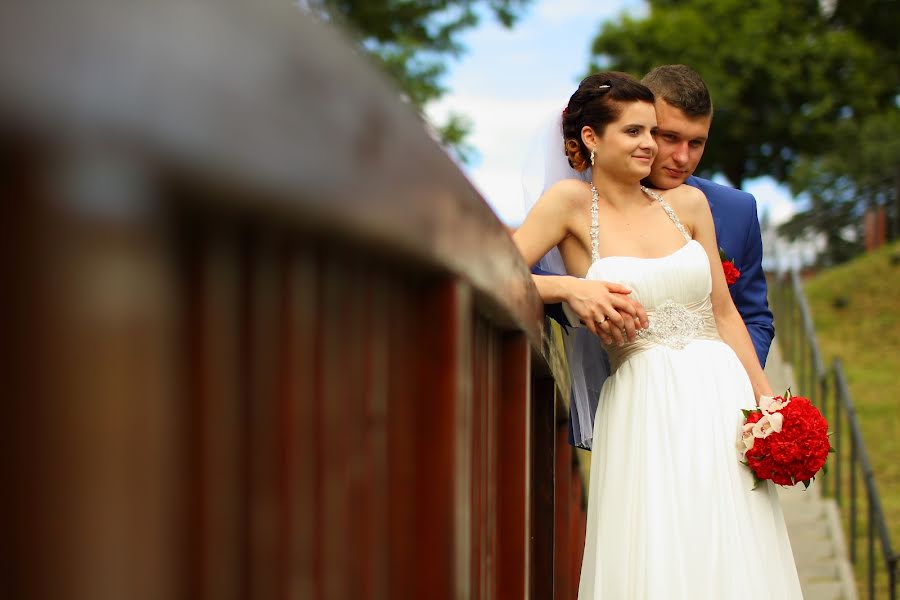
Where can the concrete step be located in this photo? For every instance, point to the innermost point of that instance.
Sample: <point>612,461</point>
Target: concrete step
<point>822,591</point>
<point>804,514</point>
<point>808,537</point>
<point>821,570</point>
<point>797,494</point>
<point>809,558</point>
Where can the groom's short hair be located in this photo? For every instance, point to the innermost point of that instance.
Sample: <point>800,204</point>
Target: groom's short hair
<point>681,87</point>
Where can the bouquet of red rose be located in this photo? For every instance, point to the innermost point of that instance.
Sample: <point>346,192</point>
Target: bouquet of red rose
<point>785,439</point>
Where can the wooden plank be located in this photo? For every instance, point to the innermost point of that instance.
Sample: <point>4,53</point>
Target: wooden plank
<point>355,310</point>
<point>335,450</point>
<point>23,328</point>
<point>374,533</point>
<point>405,392</point>
<point>577,524</point>
<point>460,311</point>
<point>543,540</point>
<point>445,371</point>
<point>485,365</point>
<point>492,418</point>
<point>260,360</point>
<point>211,284</point>
<point>562,568</point>
<point>478,472</point>
<point>513,436</point>
<point>95,321</point>
<point>299,503</point>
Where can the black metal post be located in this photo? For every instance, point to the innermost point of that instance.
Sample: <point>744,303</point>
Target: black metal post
<point>798,335</point>
<point>813,374</point>
<point>892,577</point>
<point>823,393</point>
<point>838,440</point>
<point>853,499</point>
<point>871,547</point>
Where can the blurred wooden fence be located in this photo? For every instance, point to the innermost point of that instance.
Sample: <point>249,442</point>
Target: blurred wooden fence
<point>263,339</point>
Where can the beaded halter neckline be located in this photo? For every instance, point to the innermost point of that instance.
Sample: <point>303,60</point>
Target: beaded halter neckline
<point>595,218</point>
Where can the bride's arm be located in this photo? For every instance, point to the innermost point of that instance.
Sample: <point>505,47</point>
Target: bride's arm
<point>603,307</point>
<point>595,302</point>
<point>728,320</point>
<point>547,224</point>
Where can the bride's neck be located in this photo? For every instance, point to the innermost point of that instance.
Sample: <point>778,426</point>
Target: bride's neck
<point>617,192</point>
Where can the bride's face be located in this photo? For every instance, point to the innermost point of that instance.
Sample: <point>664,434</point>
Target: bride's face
<point>626,149</point>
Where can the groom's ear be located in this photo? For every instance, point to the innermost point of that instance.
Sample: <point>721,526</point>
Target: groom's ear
<point>588,136</point>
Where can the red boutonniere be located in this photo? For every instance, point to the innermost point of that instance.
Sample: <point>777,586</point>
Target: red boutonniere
<point>732,274</point>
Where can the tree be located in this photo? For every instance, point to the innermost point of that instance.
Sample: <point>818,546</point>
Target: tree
<point>861,172</point>
<point>877,21</point>
<point>782,74</point>
<point>862,169</point>
<point>411,39</point>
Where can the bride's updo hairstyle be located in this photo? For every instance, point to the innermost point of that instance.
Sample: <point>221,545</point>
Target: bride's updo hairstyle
<point>597,102</point>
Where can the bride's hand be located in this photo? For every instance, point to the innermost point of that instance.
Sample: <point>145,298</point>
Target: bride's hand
<point>606,310</point>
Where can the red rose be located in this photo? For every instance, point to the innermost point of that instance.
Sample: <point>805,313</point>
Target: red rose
<point>732,274</point>
<point>754,417</point>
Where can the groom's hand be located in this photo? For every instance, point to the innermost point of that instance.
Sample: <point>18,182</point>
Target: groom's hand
<point>607,310</point>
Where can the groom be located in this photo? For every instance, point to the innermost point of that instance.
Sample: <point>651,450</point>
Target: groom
<point>684,115</point>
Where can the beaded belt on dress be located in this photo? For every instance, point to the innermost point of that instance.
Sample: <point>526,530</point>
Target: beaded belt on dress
<point>671,324</point>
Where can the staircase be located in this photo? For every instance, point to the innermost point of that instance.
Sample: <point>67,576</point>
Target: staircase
<point>813,522</point>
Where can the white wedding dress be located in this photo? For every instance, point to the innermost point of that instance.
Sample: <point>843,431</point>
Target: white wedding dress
<point>671,512</point>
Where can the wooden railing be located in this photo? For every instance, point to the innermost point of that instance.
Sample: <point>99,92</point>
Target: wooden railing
<point>827,389</point>
<point>263,338</point>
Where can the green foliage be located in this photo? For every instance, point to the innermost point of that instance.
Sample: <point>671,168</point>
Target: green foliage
<point>861,171</point>
<point>877,21</point>
<point>412,40</point>
<point>453,134</point>
<point>781,74</point>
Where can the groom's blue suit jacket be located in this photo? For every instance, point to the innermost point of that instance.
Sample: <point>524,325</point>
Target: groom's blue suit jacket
<point>738,234</point>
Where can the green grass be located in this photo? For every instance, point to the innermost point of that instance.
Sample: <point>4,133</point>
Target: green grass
<point>856,310</point>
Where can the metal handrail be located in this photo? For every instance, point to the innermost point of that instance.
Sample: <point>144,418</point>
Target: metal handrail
<point>802,351</point>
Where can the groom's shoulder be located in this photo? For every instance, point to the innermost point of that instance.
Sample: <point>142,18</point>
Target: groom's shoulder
<point>718,193</point>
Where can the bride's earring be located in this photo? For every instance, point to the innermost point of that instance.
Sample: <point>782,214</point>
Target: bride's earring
<point>592,157</point>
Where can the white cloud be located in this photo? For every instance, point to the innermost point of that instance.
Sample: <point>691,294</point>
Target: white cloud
<point>772,198</point>
<point>503,132</point>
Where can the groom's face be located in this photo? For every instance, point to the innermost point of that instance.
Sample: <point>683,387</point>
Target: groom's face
<point>681,140</point>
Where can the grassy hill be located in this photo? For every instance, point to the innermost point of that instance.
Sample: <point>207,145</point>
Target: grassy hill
<point>856,309</point>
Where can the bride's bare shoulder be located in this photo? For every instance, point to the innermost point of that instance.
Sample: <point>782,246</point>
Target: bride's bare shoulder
<point>687,197</point>
<point>569,186</point>
<point>569,192</point>
<point>687,201</point>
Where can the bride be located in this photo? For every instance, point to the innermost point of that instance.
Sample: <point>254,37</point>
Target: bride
<point>671,513</point>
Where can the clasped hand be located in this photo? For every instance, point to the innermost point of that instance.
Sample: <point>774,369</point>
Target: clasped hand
<point>607,310</point>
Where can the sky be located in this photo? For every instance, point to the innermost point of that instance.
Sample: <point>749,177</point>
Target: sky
<point>509,82</point>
